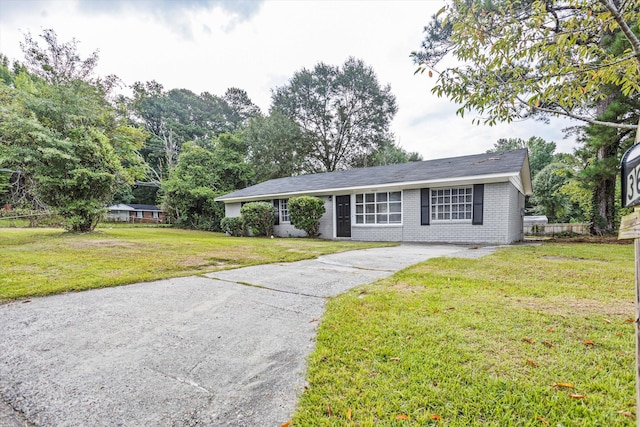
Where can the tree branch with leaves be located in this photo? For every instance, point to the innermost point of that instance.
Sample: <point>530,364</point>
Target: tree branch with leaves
<point>517,59</point>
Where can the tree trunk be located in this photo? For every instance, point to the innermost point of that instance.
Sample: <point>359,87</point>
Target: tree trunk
<point>603,201</point>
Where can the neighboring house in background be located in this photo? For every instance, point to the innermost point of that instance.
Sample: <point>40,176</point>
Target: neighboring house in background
<point>135,213</point>
<point>468,199</point>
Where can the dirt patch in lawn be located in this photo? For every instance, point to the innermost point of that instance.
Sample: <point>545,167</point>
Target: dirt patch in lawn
<point>586,307</point>
<point>567,258</point>
<point>87,244</point>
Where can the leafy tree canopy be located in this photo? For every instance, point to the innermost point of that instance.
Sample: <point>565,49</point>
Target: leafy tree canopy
<point>343,112</point>
<point>276,146</point>
<point>176,116</point>
<point>522,58</point>
<point>541,152</point>
<point>69,147</point>
<point>201,174</point>
<point>556,194</point>
<point>387,153</point>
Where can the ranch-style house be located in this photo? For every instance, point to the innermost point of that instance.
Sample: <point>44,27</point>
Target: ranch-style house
<point>470,199</point>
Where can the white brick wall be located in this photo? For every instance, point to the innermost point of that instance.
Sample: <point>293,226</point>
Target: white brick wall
<point>326,224</point>
<point>502,221</point>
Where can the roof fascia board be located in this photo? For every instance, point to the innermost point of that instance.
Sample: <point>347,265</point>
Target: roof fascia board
<point>466,180</point>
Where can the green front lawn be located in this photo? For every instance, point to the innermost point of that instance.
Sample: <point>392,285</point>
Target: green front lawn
<point>35,262</point>
<point>529,336</point>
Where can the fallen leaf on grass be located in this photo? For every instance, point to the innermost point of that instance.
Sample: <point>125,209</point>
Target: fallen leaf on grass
<point>402,417</point>
<point>529,340</point>
<point>394,359</point>
<point>542,420</point>
<point>588,342</point>
<point>365,349</point>
<point>576,396</point>
<point>436,310</point>
<point>566,385</point>
<point>606,320</point>
<point>329,411</point>
<point>627,414</point>
<point>435,417</point>
<point>548,344</point>
<point>619,334</point>
<point>287,424</point>
<point>349,414</point>
<point>532,363</point>
<point>408,337</point>
<point>550,330</point>
<point>630,320</point>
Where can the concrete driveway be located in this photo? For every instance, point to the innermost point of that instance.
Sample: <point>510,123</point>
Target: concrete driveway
<point>225,349</point>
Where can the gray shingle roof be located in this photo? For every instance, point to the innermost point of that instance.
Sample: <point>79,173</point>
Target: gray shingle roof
<point>454,167</point>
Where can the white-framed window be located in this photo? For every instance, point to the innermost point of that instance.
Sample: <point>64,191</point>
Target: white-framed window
<point>155,214</point>
<point>452,204</point>
<point>138,214</point>
<point>284,210</point>
<point>379,208</point>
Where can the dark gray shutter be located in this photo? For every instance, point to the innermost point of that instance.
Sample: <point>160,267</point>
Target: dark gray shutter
<point>424,206</point>
<point>276,208</point>
<point>478,202</point>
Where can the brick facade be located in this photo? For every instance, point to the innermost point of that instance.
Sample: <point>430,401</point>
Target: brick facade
<point>502,221</point>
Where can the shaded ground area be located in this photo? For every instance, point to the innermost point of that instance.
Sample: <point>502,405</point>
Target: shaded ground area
<point>226,349</point>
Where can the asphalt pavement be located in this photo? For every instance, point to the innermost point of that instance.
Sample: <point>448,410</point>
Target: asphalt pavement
<point>226,349</point>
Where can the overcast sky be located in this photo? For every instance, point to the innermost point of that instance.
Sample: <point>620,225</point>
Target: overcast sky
<point>212,45</point>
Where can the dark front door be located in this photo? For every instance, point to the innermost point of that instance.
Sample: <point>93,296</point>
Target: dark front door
<point>343,216</point>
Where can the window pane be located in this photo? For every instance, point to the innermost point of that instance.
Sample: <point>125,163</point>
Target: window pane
<point>370,197</point>
<point>359,209</point>
<point>396,196</point>
<point>395,218</point>
<point>395,207</point>
<point>370,208</point>
<point>358,198</point>
<point>381,197</point>
<point>382,219</point>
<point>359,219</point>
<point>381,208</point>
<point>370,219</point>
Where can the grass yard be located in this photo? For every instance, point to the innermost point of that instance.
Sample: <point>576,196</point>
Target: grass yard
<point>529,336</point>
<point>36,262</point>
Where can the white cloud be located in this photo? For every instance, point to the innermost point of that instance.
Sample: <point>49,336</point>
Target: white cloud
<point>211,45</point>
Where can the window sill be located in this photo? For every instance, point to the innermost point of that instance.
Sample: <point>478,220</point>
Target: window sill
<point>376,225</point>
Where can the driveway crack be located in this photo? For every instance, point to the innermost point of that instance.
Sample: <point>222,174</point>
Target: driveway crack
<point>183,381</point>
<point>253,285</point>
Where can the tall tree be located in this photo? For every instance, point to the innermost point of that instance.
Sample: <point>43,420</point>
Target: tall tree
<point>276,146</point>
<point>538,58</point>
<point>64,139</point>
<point>343,112</point>
<point>541,152</point>
<point>203,172</point>
<point>239,109</point>
<point>59,62</point>
<point>554,194</point>
<point>387,153</point>
<point>176,116</point>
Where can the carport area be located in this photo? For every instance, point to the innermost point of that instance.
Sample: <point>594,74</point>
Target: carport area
<point>225,349</point>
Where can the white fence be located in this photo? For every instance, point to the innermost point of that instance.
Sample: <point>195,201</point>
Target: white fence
<point>551,229</point>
